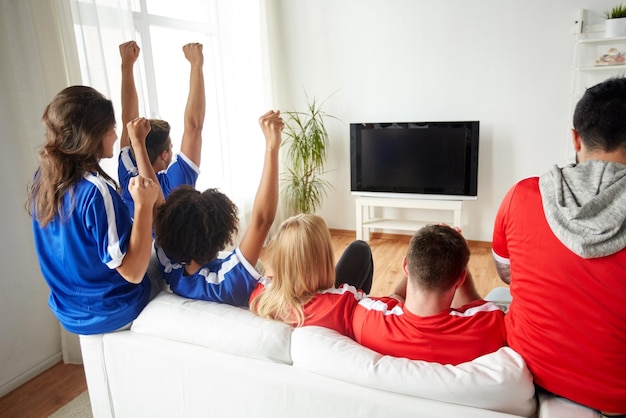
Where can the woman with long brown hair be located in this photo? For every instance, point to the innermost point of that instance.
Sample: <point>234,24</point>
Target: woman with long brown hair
<point>91,254</point>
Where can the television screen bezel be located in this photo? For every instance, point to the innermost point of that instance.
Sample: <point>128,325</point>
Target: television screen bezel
<point>471,190</point>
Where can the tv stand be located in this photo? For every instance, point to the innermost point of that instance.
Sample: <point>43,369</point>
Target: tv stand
<point>365,220</point>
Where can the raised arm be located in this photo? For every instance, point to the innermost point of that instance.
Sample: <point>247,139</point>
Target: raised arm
<point>129,51</point>
<point>145,192</point>
<point>135,263</point>
<point>195,109</point>
<point>138,129</point>
<point>266,199</point>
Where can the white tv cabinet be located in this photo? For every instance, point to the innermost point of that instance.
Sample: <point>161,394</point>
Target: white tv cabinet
<point>365,221</point>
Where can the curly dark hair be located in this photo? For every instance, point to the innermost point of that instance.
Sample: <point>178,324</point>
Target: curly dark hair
<point>194,225</point>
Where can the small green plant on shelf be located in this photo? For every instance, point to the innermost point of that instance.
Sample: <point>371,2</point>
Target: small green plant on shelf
<point>616,12</point>
<point>306,140</point>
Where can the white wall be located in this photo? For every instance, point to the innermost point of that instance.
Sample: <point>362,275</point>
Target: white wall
<point>30,339</point>
<point>506,63</point>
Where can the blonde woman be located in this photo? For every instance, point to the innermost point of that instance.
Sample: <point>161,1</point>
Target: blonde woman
<point>307,288</point>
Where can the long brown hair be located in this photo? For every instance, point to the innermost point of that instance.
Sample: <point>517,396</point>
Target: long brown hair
<point>303,263</point>
<point>76,121</point>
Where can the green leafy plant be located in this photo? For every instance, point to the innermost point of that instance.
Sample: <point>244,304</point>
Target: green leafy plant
<point>306,139</point>
<point>616,12</point>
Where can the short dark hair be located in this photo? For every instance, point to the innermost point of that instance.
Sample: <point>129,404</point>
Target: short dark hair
<point>600,115</point>
<point>158,139</point>
<point>194,225</point>
<point>436,257</point>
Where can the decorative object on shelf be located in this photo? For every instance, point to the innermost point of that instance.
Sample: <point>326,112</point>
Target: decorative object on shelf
<point>615,21</point>
<point>306,140</point>
<point>612,57</point>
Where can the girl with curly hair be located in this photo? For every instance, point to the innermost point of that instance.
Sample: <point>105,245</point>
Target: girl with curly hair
<point>192,228</point>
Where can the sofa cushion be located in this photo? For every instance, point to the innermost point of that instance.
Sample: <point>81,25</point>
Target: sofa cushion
<point>553,406</point>
<point>217,326</point>
<point>498,381</point>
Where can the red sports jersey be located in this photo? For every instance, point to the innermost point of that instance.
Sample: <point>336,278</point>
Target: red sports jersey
<point>450,337</point>
<point>331,308</point>
<point>568,314</point>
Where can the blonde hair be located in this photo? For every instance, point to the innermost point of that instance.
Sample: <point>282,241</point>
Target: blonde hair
<point>303,263</point>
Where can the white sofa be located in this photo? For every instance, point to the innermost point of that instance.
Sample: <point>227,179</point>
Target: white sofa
<point>189,358</point>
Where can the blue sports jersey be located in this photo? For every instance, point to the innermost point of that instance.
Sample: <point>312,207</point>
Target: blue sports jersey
<point>79,255</point>
<point>228,280</point>
<point>181,171</point>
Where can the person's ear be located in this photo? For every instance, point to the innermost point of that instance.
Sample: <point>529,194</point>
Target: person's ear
<point>405,268</point>
<point>461,279</point>
<point>576,140</point>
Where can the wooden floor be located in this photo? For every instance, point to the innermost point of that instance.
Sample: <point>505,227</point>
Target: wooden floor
<point>388,251</point>
<point>60,384</point>
<point>46,393</point>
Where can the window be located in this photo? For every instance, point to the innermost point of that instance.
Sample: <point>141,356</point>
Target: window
<point>234,75</point>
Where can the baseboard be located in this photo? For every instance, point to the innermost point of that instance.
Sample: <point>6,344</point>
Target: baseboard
<point>342,232</point>
<point>29,374</point>
<point>402,237</point>
<point>480,244</point>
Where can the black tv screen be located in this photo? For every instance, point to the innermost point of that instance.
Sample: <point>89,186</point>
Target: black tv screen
<point>415,159</point>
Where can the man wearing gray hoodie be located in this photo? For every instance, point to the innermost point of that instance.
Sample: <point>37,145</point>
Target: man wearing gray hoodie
<point>559,241</point>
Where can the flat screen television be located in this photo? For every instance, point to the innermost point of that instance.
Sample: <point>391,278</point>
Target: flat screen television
<point>424,160</point>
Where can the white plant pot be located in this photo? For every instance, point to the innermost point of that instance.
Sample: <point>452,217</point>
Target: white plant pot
<point>615,27</point>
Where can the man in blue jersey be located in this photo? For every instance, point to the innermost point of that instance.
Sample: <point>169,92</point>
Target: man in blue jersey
<point>185,168</point>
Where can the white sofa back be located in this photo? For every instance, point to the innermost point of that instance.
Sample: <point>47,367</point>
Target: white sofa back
<point>186,358</point>
<point>216,326</point>
<point>498,381</point>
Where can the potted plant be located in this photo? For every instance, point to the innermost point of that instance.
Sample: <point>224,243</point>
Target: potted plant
<point>306,140</point>
<point>615,21</point>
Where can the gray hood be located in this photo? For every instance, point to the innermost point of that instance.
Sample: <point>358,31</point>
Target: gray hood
<point>585,205</point>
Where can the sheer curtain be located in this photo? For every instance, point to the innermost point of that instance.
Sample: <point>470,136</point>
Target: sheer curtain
<point>236,72</point>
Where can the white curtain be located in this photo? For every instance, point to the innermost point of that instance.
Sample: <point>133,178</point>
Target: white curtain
<point>236,70</point>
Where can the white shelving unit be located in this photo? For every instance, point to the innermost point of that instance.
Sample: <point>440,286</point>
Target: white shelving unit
<point>366,221</point>
<point>590,44</point>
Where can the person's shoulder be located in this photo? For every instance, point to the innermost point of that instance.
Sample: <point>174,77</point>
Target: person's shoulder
<point>529,182</point>
<point>126,156</point>
<point>523,187</point>
<point>526,183</point>
<point>94,183</point>
<point>383,304</point>
<point>181,159</point>
<point>475,307</point>
<point>345,290</point>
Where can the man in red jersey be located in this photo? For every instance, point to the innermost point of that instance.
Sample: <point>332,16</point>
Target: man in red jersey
<point>436,314</point>
<point>559,241</point>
